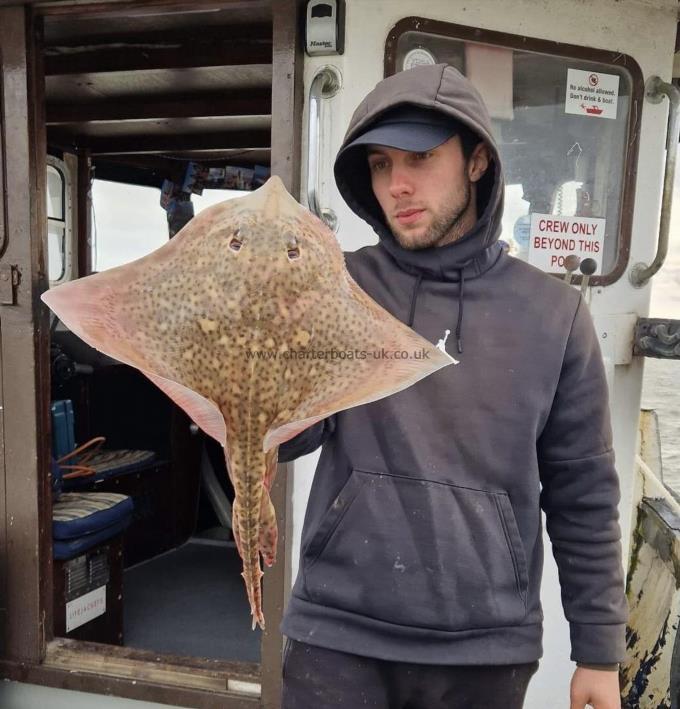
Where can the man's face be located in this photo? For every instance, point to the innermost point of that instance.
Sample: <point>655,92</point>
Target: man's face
<point>428,199</point>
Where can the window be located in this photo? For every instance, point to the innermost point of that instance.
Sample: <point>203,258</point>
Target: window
<point>128,221</point>
<point>564,120</point>
<point>58,221</point>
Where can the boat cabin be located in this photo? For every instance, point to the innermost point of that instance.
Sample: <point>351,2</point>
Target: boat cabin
<point>121,120</point>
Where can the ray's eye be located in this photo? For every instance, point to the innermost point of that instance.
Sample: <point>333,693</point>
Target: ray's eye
<point>235,244</point>
<point>293,252</point>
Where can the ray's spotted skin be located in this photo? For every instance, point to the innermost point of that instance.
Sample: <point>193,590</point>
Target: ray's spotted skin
<point>224,318</point>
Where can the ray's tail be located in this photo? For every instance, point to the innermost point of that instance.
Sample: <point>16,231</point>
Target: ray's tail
<point>254,523</point>
<point>246,526</point>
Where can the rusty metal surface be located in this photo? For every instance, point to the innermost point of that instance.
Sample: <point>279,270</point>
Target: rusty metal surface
<point>657,337</point>
<point>653,591</point>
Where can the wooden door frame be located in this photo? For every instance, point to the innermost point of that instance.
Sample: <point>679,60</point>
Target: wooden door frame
<point>24,355</point>
<point>27,650</point>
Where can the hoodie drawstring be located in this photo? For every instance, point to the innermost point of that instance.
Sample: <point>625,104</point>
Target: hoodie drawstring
<point>459,324</point>
<point>414,297</point>
<point>461,300</point>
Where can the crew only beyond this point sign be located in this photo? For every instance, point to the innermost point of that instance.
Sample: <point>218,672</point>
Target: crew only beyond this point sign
<point>554,237</point>
<point>592,94</point>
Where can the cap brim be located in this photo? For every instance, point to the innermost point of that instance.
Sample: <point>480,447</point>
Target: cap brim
<point>405,136</point>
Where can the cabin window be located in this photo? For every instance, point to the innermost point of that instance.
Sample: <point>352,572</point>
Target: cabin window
<point>58,221</point>
<point>564,118</point>
<point>128,221</point>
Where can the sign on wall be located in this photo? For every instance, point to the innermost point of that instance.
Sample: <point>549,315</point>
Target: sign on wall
<point>591,93</point>
<point>554,237</point>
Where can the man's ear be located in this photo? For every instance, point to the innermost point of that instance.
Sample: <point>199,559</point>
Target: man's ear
<point>478,162</point>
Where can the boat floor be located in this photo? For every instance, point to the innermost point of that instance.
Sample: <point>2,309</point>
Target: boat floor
<point>191,601</point>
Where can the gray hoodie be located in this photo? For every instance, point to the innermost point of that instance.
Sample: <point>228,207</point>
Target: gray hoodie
<point>422,540</point>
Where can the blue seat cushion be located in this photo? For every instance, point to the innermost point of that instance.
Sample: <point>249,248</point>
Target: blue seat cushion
<point>69,548</point>
<point>110,464</point>
<point>76,514</point>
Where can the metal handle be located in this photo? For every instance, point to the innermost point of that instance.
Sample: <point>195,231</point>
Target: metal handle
<point>325,85</point>
<point>656,90</point>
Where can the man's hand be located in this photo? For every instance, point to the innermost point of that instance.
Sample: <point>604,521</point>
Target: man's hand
<point>598,688</point>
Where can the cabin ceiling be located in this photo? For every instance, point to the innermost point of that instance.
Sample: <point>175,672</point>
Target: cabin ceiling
<point>151,91</point>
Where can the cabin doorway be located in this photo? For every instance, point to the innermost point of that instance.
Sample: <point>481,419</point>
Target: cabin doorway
<point>145,113</point>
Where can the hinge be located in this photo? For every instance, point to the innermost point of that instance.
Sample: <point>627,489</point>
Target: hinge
<point>657,337</point>
<point>9,280</point>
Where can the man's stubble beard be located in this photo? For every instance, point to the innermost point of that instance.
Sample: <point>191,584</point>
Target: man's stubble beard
<point>445,227</point>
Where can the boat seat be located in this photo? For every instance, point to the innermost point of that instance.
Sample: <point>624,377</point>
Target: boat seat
<point>102,464</point>
<point>82,520</point>
<point>108,464</point>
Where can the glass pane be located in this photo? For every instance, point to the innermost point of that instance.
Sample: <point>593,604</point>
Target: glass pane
<point>561,124</point>
<point>128,223</point>
<point>56,244</point>
<point>55,193</point>
<point>210,197</point>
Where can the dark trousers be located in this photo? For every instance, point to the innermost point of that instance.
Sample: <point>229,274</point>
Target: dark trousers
<point>316,678</point>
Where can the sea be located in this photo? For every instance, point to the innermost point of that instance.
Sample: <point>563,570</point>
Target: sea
<point>661,383</point>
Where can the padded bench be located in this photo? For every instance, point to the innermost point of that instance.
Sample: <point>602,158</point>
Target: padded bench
<point>81,520</point>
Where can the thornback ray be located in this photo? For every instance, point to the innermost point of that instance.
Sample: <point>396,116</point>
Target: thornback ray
<point>249,321</point>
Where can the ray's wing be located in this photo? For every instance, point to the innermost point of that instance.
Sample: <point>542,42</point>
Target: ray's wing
<point>113,312</point>
<point>386,357</point>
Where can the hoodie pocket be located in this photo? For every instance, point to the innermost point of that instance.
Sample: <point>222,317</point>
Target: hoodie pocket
<point>419,553</point>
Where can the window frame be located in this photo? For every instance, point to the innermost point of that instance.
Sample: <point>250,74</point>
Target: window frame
<point>560,49</point>
<point>67,200</point>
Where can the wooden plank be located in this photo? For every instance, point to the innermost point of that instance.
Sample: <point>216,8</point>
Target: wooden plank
<point>3,472</point>
<point>286,145</point>
<point>102,662</point>
<point>72,35</point>
<point>159,167</point>
<point>141,144</point>
<point>158,127</point>
<point>23,351</point>
<point>287,93</point>
<point>125,687</point>
<point>251,103</point>
<point>40,268</point>
<point>128,7</point>
<point>84,210</point>
<point>156,84</point>
<point>234,52</point>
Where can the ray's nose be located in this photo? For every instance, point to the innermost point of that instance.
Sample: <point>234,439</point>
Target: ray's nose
<point>277,201</point>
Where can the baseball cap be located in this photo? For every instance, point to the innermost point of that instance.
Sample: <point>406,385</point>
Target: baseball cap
<point>409,128</point>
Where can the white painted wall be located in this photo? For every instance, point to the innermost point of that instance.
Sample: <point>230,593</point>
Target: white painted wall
<point>643,29</point>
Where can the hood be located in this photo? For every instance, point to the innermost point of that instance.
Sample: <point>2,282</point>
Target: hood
<point>443,88</point>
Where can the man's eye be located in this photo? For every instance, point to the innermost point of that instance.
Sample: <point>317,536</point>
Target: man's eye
<point>377,165</point>
<point>422,156</point>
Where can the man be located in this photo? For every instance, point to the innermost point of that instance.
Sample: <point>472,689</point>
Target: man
<point>422,554</point>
